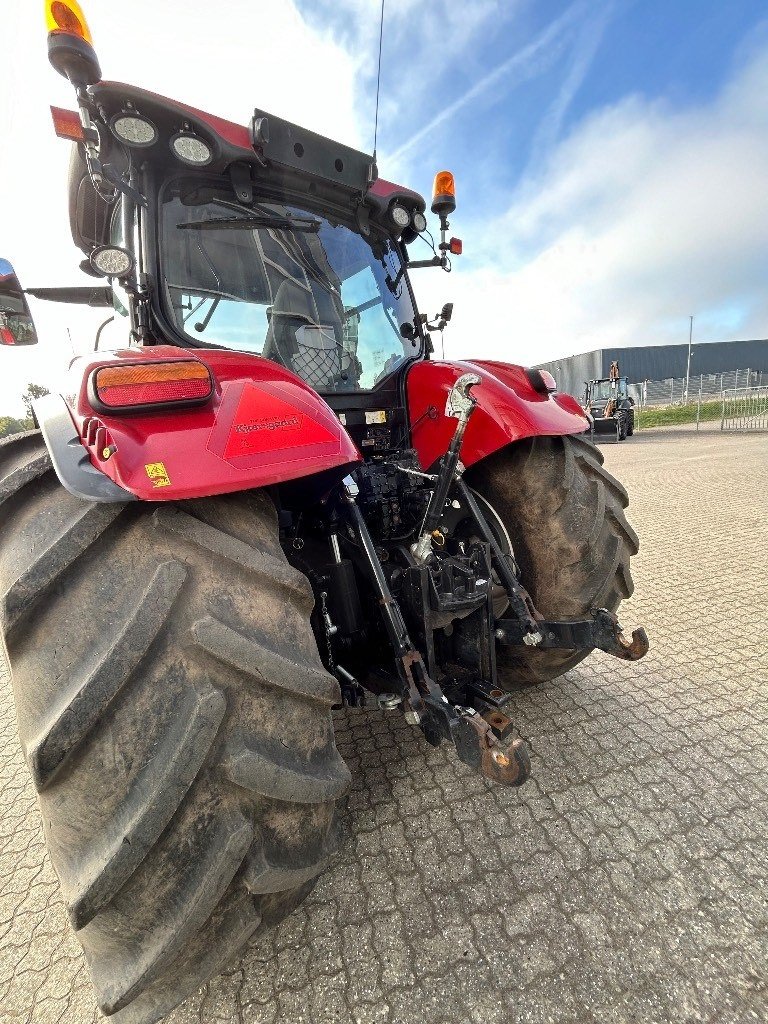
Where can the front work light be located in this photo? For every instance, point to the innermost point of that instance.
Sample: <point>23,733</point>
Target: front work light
<point>133,385</point>
<point>111,261</point>
<point>70,44</point>
<point>190,149</point>
<point>444,194</point>
<point>133,129</point>
<point>400,215</point>
<point>419,221</point>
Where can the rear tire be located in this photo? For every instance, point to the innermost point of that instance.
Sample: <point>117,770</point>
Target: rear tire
<point>565,516</point>
<point>175,716</point>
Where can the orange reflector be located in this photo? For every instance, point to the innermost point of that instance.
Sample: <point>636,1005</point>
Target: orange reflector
<point>66,124</point>
<point>146,384</point>
<point>67,16</point>
<point>456,246</point>
<point>444,185</point>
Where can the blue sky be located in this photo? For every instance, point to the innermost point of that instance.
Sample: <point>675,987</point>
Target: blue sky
<point>611,157</point>
<point>595,54</point>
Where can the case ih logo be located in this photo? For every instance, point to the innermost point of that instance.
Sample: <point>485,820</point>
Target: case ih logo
<point>273,423</point>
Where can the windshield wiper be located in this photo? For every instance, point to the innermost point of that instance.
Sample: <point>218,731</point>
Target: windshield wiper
<point>304,224</point>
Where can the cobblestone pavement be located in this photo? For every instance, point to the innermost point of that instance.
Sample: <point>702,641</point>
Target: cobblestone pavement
<point>626,883</point>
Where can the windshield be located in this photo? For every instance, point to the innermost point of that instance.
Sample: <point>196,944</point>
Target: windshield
<point>601,390</point>
<point>289,285</point>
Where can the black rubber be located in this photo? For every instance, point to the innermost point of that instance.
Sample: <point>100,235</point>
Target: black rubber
<point>565,517</point>
<point>175,716</point>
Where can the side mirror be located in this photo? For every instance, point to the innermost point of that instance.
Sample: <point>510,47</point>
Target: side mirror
<point>16,324</point>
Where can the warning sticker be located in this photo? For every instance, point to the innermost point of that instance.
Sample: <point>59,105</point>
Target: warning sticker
<point>158,474</point>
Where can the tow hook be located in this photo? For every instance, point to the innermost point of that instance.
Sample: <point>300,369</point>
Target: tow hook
<point>506,762</point>
<point>602,632</point>
<point>615,642</point>
<point>482,741</point>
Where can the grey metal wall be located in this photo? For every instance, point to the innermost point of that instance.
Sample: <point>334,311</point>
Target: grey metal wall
<point>571,371</point>
<point>657,362</point>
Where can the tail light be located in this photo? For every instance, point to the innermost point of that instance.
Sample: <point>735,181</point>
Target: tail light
<point>151,385</point>
<point>541,381</point>
<point>6,336</point>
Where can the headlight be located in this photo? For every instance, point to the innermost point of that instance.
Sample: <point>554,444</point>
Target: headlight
<point>191,150</point>
<point>419,221</point>
<point>133,130</point>
<point>400,215</point>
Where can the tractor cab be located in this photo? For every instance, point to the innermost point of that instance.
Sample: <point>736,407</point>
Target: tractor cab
<point>268,240</point>
<point>600,392</point>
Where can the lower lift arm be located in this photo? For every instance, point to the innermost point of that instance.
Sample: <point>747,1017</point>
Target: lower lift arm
<point>425,704</point>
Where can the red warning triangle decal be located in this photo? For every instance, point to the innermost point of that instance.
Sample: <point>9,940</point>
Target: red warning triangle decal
<point>265,423</point>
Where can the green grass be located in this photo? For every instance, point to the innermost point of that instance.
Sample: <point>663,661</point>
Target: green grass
<point>671,415</point>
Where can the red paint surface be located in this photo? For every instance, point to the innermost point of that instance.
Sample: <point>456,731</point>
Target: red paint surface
<point>508,409</point>
<point>387,189</point>
<point>201,449</point>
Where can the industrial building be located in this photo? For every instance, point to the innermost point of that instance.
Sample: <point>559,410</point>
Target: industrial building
<point>660,362</point>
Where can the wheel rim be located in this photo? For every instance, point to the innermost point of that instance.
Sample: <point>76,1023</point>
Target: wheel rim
<point>500,535</point>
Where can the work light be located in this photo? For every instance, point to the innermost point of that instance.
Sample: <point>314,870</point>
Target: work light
<point>133,129</point>
<point>400,215</point>
<point>111,261</point>
<point>190,149</point>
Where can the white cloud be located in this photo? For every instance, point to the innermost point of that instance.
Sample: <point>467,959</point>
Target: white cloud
<point>524,63</point>
<point>643,215</point>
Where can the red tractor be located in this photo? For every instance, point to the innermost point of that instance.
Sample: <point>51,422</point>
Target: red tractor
<point>269,502</point>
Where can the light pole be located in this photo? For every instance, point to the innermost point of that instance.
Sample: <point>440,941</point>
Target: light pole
<point>688,369</point>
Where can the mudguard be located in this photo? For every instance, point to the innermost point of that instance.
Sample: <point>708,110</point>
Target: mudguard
<point>508,409</point>
<point>263,425</point>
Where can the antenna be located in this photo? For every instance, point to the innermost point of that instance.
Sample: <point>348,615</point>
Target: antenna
<point>378,83</point>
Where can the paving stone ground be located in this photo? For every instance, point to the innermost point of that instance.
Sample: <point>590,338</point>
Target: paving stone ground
<point>625,883</point>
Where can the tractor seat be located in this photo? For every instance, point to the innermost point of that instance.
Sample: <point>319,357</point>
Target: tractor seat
<point>297,340</point>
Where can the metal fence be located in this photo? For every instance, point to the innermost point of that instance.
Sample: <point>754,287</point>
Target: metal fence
<point>734,409</point>
<point>745,409</point>
<point>672,391</point>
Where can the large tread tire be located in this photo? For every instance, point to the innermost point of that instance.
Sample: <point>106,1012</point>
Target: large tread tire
<point>565,517</point>
<point>176,719</point>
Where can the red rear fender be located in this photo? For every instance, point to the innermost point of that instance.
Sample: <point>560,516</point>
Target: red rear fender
<point>263,425</point>
<point>508,409</point>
